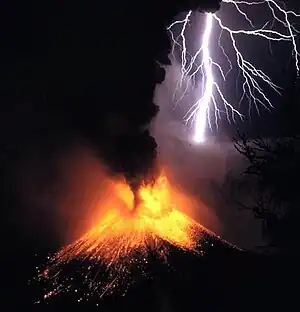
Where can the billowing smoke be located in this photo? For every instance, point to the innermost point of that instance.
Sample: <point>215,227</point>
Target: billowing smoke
<point>131,150</point>
<point>84,72</point>
<point>113,88</point>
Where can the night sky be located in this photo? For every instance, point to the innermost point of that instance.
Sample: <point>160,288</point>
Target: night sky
<point>76,77</point>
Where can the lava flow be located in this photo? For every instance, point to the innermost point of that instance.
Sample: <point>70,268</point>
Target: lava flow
<point>124,235</point>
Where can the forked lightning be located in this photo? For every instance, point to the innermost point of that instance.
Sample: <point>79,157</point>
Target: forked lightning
<point>253,78</point>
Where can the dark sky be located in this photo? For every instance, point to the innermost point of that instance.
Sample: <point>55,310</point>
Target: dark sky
<point>278,63</point>
<point>71,74</point>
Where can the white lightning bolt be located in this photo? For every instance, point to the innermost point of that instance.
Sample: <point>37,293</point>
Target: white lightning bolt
<point>253,78</point>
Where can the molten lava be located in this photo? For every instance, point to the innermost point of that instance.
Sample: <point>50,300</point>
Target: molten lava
<point>126,229</point>
<point>124,235</point>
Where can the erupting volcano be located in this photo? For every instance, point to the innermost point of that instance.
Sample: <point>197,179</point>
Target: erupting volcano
<point>128,232</point>
<point>129,227</point>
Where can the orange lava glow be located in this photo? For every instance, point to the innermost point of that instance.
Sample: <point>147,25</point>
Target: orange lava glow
<point>122,236</point>
<point>124,230</point>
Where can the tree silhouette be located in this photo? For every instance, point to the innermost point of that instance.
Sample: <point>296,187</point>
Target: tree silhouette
<point>275,166</point>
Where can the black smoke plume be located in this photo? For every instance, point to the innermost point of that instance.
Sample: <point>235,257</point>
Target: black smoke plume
<point>75,69</point>
<point>109,63</point>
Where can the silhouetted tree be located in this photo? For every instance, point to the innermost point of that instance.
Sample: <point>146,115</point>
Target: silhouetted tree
<point>275,165</point>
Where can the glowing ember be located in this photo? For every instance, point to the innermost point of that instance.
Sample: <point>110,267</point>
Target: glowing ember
<point>125,234</point>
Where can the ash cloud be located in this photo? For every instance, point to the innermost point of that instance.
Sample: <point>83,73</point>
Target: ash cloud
<point>78,72</point>
<point>110,76</point>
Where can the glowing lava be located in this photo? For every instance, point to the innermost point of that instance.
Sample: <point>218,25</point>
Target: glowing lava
<point>123,230</point>
<point>123,236</point>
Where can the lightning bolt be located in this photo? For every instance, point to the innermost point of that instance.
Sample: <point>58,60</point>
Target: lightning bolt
<point>253,78</point>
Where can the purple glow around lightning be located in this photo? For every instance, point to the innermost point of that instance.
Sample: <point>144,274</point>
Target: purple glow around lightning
<point>252,77</point>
